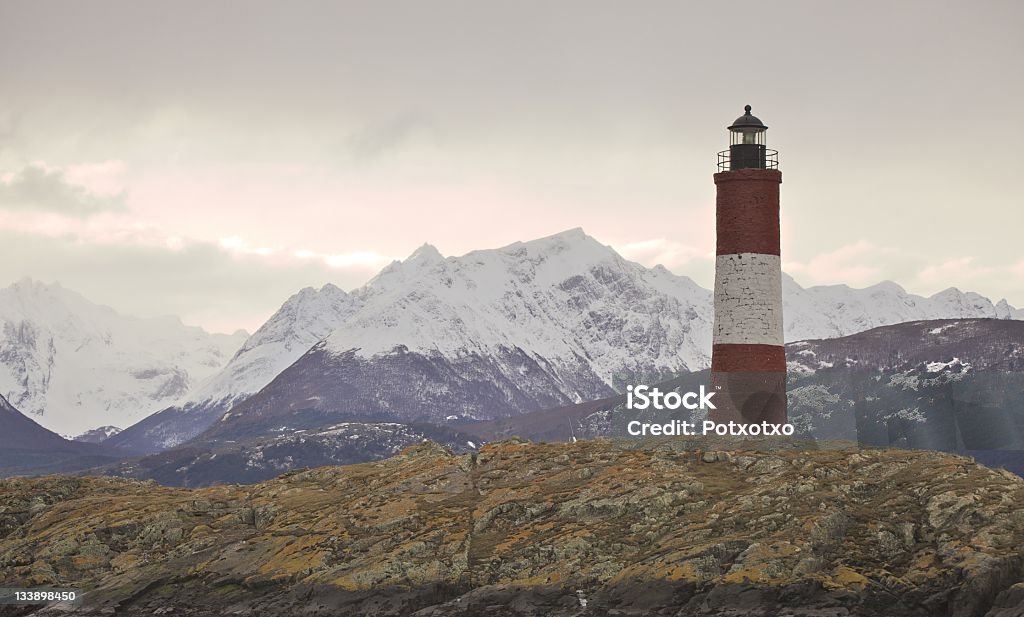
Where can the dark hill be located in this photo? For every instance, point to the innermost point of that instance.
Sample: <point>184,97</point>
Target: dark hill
<point>984,344</point>
<point>28,448</point>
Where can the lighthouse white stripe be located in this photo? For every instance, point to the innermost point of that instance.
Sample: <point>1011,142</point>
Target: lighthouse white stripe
<point>748,299</point>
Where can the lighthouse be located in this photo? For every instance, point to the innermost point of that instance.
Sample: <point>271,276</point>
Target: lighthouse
<point>748,359</point>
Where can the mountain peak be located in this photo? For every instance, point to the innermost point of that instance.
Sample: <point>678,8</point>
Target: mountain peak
<point>576,233</point>
<point>948,292</point>
<point>426,252</point>
<point>29,285</point>
<point>303,294</point>
<point>889,287</point>
<point>788,282</point>
<point>331,288</point>
<point>1005,310</point>
<point>584,249</point>
<point>574,236</point>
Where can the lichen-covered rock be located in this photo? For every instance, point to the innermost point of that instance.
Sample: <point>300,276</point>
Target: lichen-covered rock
<point>592,528</point>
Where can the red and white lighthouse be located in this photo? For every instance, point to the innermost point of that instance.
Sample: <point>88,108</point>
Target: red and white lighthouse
<point>748,359</point>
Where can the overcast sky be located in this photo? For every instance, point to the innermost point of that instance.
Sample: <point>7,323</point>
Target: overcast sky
<point>208,159</point>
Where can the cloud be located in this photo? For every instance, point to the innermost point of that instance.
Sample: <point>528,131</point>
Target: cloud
<point>39,187</point>
<point>239,247</point>
<point>355,260</point>
<point>958,270</point>
<point>200,282</point>
<point>102,228</point>
<point>996,281</point>
<point>374,141</point>
<point>852,264</point>
<point>105,178</point>
<point>8,123</point>
<point>655,251</point>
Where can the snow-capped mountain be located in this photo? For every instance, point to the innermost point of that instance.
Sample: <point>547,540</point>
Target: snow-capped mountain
<point>302,321</point>
<point>98,435</point>
<point>535,324</point>
<point>830,311</point>
<point>546,322</point>
<point>566,300</point>
<point>1005,311</point>
<point>72,365</point>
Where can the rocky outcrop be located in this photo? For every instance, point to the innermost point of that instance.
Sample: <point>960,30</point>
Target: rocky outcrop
<point>591,528</point>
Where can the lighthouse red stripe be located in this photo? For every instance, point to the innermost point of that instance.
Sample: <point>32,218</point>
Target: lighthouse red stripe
<point>747,211</point>
<point>748,358</point>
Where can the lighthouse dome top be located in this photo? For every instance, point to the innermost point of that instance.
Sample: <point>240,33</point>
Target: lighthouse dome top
<point>747,122</point>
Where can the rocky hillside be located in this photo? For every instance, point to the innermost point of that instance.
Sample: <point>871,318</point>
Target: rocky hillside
<point>253,461</point>
<point>979,344</point>
<point>944,384</point>
<point>592,528</point>
<point>951,385</point>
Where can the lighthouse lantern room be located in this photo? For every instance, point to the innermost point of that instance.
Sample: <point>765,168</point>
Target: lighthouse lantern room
<point>747,148</point>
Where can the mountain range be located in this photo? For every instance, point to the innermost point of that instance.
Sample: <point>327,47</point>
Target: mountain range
<point>951,385</point>
<point>73,365</point>
<point>533,325</point>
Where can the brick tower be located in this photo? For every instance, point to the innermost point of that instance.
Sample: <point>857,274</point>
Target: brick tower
<point>748,360</point>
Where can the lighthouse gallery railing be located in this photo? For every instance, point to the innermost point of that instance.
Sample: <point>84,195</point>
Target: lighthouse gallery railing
<point>771,160</point>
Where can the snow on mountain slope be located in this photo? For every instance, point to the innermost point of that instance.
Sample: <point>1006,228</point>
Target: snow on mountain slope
<point>302,320</point>
<point>1005,311</point>
<point>98,435</point>
<point>72,365</point>
<point>532,296</point>
<point>559,299</point>
<point>830,311</point>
